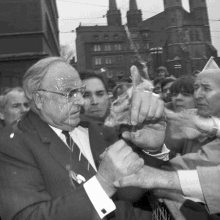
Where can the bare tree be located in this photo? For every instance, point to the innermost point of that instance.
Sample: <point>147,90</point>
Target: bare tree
<point>66,52</point>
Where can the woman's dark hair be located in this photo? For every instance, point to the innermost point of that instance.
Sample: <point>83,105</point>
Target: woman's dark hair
<point>157,80</point>
<point>183,84</point>
<point>166,81</point>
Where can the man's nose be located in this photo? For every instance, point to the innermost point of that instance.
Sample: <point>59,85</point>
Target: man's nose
<point>199,93</point>
<point>94,100</point>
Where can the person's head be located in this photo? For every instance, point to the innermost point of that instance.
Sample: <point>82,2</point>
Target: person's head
<point>120,89</point>
<point>181,93</point>
<point>165,88</point>
<point>157,85</point>
<point>195,73</point>
<point>162,72</point>
<point>96,99</point>
<point>207,93</point>
<point>13,104</point>
<point>55,92</point>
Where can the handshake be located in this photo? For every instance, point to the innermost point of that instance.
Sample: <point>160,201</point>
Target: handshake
<point>118,161</point>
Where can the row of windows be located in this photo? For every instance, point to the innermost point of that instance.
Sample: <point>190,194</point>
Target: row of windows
<point>108,60</point>
<point>118,47</point>
<point>106,37</point>
<point>107,47</point>
<point>135,35</point>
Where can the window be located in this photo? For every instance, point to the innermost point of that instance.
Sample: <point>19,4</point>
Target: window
<point>117,46</point>
<point>116,37</point>
<point>108,60</point>
<point>96,37</point>
<point>197,35</point>
<point>98,61</point>
<point>145,35</point>
<point>137,45</point>
<point>134,35</point>
<point>191,33</point>
<point>97,47</point>
<point>132,47</point>
<point>119,59</point>
<point>108,47</point>
<point>106,37</point>
<point>147,46</point>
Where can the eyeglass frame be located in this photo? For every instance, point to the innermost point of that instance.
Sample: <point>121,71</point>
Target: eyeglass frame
<point>82,88</point>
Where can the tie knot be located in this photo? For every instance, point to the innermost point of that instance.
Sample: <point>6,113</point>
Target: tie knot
<point>66,133</point>
<point>69,140</point>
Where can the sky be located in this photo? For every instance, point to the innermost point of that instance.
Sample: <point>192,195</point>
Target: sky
<point>88,12</point>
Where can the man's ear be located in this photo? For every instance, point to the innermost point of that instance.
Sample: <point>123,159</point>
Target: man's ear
<point>38,100</point>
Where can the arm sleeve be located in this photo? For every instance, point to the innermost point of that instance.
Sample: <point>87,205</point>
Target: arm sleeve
<point>163,155</point>
<point>100,200</point>
<point>190,185</point>
<point>209,178</point>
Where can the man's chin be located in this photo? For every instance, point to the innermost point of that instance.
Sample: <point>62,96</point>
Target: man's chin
<point>203,113</point>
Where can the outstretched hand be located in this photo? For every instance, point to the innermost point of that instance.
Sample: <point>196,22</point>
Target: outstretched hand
<point>144,178</point>
<point>186,124</point>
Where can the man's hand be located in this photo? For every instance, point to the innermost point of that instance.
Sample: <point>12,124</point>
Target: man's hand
<point>145,105</point>
<point>151,178</point>
<point>187,124</point>
<point>117,161</point>
<point>149,136</point>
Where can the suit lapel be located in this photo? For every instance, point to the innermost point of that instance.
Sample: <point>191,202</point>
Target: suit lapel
<point>57,148</point>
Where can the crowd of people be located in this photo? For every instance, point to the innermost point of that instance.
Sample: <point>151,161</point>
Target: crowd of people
<point>58,159</point>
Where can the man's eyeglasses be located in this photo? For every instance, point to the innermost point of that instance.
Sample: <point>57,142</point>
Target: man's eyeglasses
<point>71,95</point>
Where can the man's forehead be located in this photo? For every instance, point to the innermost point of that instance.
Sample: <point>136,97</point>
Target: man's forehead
<point>62,76</point>
<point>16,97</point>
<point>94,84</point>
<point>208,77</point>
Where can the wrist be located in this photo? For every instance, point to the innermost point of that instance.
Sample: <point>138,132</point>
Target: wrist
<point>214,129</point>
<point>106,185</point>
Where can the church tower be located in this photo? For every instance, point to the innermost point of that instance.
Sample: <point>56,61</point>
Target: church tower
<point>172,3</point>
<point>198,9</point>
<point>113,14</point>
<point>174,18</point>
<point>134,16</point>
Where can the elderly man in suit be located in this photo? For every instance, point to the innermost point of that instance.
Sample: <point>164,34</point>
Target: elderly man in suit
<point>50,166</point>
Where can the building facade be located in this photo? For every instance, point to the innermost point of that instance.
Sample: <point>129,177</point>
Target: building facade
<point>175,38</point>
<point>111,49</point>
<point>29,32</point>
<point>184,36</point>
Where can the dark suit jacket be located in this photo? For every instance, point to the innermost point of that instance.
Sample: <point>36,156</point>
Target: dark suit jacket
<point>34,181</point>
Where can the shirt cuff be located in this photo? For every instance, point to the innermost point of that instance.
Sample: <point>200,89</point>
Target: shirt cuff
<point>189,181</point>
<point>100,200</point>
<point>163,155</point>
